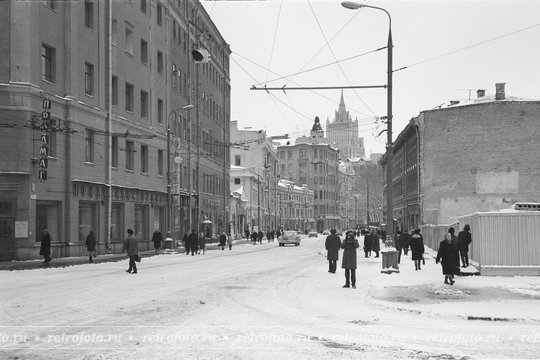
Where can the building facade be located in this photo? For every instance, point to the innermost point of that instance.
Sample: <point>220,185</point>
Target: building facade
<point>468,157</point>
<point>88,92</point>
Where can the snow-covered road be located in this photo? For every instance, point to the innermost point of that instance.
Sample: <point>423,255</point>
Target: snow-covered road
<point>264,302</point>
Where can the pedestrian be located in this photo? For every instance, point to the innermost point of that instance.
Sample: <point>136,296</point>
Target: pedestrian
<point>332,245</point>
<point>156,238</point>
<point>260,235</point>
<point>398,243</point>
<point>278,234</point>
<point>375,242</point>
<point>349,246</point>
<point>247,234</point>
<point>186,243</point>
<point>202,243</point>
<point>406,241</point>
<point>254,237</point>
<point>229,241</point>
<point>45,248</point>
<point>417,249</point>
<point>447,255</point>
<point>222,240</point>
<point>455,241</point>
<point>367,244</point>
<point>268,235</point>
<point>465,240</point>
<point>193,241</point>
<point>132,250</point>
<point>91,245</point>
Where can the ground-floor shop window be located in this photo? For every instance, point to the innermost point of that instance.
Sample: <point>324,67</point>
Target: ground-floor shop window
<point>48,217</point>
<point>117,225</point>
<point>141,222</point>
<point>87,219</point>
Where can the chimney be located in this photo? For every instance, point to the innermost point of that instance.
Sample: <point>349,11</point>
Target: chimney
<point>499,91</point>
<point>480,93</point>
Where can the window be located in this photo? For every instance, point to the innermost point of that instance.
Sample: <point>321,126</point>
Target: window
<point>289,154</point>
<point>48,62</point>
<point>47,217</point>
<point>130,155</point>
<point>160,62</point>
<point>144,52</point>
<point>143,6</point>
<point>89,14</point>
<point>236,181</point>
<point>160,111</point>
<point>302,153</point>
<point>144,104</point>
<point>89,146</point>
<point>87,219</point>
<point>114,32</point>
<point>144,159</point>
<point>282,154</point>
<point>88,79</point>
<point>114,95</point>
<point>129,41</point>
<point>160,162</point>
<point>114,151</point>
<point>159,14</point>
<point>141,222</point>
<point>282,168</point>
<point>117,215</point>
<point>290,168</point>
<point>237,161</point>
<point>129,97</point>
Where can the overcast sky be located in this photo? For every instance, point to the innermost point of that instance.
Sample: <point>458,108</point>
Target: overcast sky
<point>448,50</point>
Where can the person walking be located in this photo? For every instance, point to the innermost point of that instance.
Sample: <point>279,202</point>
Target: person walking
<point>367,244</point>
<point>229,241</point>
<point>332,245</point>
<point>260,235</point>
<point>91,245</point>
<point>202,243</point>
<point>132,250</point>
<point>398,243</point>
<point>375,243</point>
<point>455,241</point>
<point>156,239</point>
<point>222,240</point>
<point>45,248</point>
<point>447,255</point>
<point>193,241</point>
<point>186,243</point>
<point>417,249</point>
<point>254,237</point>
<point>465,240</point>
<point>349,246</point>
<point>406,241</point>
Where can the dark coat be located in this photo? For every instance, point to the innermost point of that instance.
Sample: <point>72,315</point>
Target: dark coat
<point>349,246</point>
<point>156,238</point>
<point>260,235</point>
<point>193,240</point>
<point>130,246</point>
<point>406,241</point>
<point>375,244</point>
<point>222,239</point>
<point>367,242</point>
<point>398,242</point>
<point>465,240</point>
<point>448,256</point>
<point>417,247</point>
<point>332,245</point>
<point>90,242</point>
<point>254,236</point>
<point>45,248</point>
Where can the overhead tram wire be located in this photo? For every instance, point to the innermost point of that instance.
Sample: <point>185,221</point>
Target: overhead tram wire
<point>274,41</point>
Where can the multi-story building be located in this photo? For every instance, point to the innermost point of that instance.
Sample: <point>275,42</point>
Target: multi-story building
<point>369,189</point>
<point>88,91</point>
<point>295,206</point>
<point>314,162</point>
<point>470,156</point>
<point>342,132</point>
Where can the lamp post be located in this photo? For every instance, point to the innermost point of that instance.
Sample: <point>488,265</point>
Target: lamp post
<point>389,144</point>
<point>265,167</point>
<point>169,185</point>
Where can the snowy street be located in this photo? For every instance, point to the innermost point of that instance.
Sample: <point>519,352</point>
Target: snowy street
<point>264,302</point>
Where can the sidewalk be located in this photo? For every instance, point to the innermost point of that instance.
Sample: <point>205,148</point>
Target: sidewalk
<point>101,258</point>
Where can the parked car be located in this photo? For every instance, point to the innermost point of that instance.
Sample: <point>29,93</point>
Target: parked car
<point>326,232</point>
<point>289,237</point>
<point>339,232</point>
<point>313,233</point>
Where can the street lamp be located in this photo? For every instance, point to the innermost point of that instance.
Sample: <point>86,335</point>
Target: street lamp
<point>389,145</point>
<point>169,185</point>
<point>265,167</point>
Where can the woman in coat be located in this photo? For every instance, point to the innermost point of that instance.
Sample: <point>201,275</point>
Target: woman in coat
<point>222,240</point>
<point>156,238</point>
<point>417,249</point>
<point>202,243</point>
<point>91,245</point>
<point>229,241</point>
<point>349,246</point>
<point>448,255</point>
<point>367,244</point>
<point>45,248</point>
<point>332,245</point>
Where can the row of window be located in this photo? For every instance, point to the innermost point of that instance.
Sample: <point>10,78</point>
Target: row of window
<point>317,153</point>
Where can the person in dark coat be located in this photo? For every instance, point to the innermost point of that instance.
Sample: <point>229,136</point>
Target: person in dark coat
<point>247,234</point>
<point>254,237</point>
<point>132,250</point>
<point>417,249</point>
<point>278,234</point>
<point>186,243</point>
<point>349,246</point>
<point>45,248</point>
<point>367,244</point>
<point>332,245</point>
<point>222,240</point>
<point>398,243</point>
<point>91,245</point>
<point>455,241</point>
<point>447,255</point>
<point>156,238</point>
<point>406,241</point>
<point>260,236</point>
<point>375,244</point>
<point>465,240</point>
<point>193,241</point>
